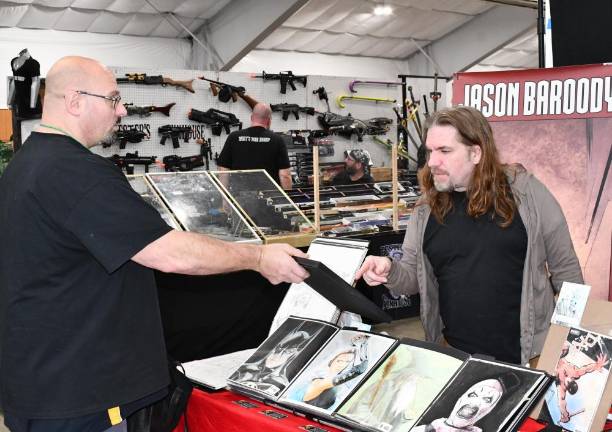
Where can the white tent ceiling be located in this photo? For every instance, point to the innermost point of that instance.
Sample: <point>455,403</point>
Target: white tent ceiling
<point>128,17</point>
<point>346,27</point>
<point>349,27</point>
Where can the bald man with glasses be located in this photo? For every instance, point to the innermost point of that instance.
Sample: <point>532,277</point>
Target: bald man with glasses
<point>82,344</point>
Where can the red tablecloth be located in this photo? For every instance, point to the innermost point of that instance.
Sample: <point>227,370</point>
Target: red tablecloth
<point>220,412</point>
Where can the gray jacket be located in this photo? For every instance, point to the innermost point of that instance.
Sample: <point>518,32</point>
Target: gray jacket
<point>550,261</point>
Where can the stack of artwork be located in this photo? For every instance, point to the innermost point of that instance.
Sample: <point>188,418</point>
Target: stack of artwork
<point>372,382</point>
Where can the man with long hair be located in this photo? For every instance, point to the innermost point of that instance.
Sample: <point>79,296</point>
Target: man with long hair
<point>487,246</point>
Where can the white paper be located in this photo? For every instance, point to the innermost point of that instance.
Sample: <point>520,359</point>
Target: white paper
<point>570,305</point>
<point>213,372</point>
<point>343,257</point>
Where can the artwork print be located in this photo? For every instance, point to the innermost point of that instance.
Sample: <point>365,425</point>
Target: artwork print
<point>581,374</point>
<point>400,390</point>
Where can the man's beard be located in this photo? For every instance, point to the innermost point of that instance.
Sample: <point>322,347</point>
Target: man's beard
<point>108,139</point>
<point>351,170</point>
<point>443,186</point>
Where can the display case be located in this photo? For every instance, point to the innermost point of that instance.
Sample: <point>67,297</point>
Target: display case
<point>200,206</point>
<point>244,188</point>
<point>349,210</point>
<point>140,184</point>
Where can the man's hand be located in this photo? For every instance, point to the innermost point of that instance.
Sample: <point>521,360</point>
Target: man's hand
<point>276,264</point>
<point>374,270</point>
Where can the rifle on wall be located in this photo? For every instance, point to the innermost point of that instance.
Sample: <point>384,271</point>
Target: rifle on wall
<point>174,133</point>
<point>142,78</point>
<point>124,136</point>
<point>225,92</point>
<point>174,163</point>
<point>341,98</point>
<point>346,126</point>
<point>295,109</point>
<point>285,78</point>
<point>128,161</point>
<point>352,84</point>
<point>145,111</point>
<point>216,119</point>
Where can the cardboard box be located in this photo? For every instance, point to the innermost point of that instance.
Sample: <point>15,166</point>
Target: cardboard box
<point>381,174</point>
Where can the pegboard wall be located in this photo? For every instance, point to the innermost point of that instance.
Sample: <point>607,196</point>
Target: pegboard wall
<point>262,91</point>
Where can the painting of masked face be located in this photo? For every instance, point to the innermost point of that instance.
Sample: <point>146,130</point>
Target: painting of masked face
<point>478,401</point>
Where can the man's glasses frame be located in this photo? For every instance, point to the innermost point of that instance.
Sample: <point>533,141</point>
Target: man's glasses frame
<point>114,99</point>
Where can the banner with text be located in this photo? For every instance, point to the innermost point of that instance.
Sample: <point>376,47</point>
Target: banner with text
<point>538,94</point>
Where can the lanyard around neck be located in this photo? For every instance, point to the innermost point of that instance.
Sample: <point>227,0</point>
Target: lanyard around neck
<point>62,131</point>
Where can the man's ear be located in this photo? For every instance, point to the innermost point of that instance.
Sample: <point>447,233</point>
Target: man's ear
<point>73,103</point>
<point>475,154</point>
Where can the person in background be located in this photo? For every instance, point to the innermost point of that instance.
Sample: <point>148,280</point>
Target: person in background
<point>356,168</point>
<point>257,147</point>
<point>82,345</point>
<point>487,247</point>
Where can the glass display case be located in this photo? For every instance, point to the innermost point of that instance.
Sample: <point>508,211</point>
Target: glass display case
<point>200,206</point>
<point>244,187</point>
<point>140,184</point>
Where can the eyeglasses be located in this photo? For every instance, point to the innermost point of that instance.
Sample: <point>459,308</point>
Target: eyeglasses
<point>114,99</point>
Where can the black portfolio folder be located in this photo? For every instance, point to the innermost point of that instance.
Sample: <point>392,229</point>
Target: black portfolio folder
<point>343,295</point>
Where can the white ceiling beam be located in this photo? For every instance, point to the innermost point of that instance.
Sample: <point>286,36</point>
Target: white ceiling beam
<point>474,41</point>
<point>240,26</point>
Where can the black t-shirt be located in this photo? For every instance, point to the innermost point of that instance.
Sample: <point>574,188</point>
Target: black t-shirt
<point>344,178</point>
<point>23,87</point>
<point>81,327</point>
<point>479,268</point>
<point>255,148</point>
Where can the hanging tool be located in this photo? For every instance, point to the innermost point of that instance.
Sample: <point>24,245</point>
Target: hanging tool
<point>400,150</point>
<point>426,107</point>
<point>340,98</point>
<point>352,84</point>
<point>413,115</point>
<point>435,95</point>
<point>414,103</point>
<point>401,124</point>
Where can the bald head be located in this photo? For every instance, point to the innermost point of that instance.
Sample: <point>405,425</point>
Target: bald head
<point>262,113</point>
<point>73,73</point>
<point>78,100</point>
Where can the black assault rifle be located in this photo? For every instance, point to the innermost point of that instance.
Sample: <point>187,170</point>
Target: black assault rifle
<point>175,163</point>
<point>216,119</point>
<point>124,136</point>
<point>348,125</point>
<point>295,109</point>
<point>128,161</point>
<point>142,78</point>
<point>285,77</point>
<point>145,111</point>
<point>174,132</point>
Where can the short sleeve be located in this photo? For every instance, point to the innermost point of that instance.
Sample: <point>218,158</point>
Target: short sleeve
<point>114,223</point>
<point>283,156</point>
<point>225,157</point>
